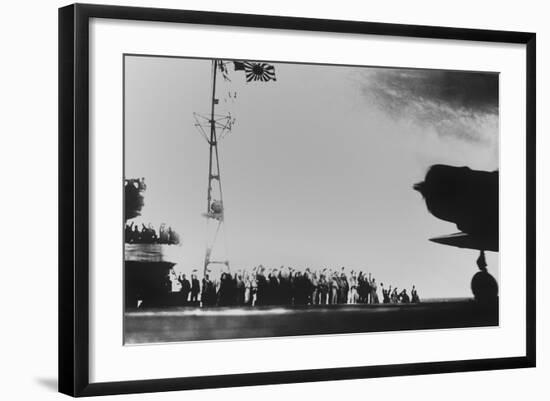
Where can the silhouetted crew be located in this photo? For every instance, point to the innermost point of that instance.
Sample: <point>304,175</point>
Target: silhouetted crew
<point>344,288</point>
<point>273,289</point>
<point>373,292</point>
<point>353,296</point>
<point>367,289</point>
<point>248,290</point>
<point>208,296</point>
<point>195,288</point>
<point>285,289</point>
<point>185,288</point>
<point>302,289</point>
<point>385,294</point>
<point>224,291</point>
<point>261,289</point>
<point>136,235</point>
<point>314,294</point>
<point>333,290</point>
<point>128,233</point>
<point>163,234</point>
<point>363,289</point>
<point>173,237</point>
<point>286,286</point>
<point>394,296</point>
<point>322,286</point>
<point>414,296</point>
<point>239,290</point>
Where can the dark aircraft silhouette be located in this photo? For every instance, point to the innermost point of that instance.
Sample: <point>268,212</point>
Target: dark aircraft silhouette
<point>468,198</point>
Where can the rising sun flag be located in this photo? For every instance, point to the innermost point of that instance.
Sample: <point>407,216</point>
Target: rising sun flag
<point>214,127</point>
<point>256,71</point>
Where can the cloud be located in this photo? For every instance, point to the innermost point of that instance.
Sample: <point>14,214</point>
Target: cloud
<point>454,103</point>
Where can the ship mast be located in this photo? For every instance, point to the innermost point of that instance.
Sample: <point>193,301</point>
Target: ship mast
<point>213,128</point>
<point>214,197</point>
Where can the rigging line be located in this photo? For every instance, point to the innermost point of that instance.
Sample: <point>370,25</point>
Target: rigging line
<point>207,247</point>
<point>219,177</point>
<point>216,233</point>
<point>226,251</point>
<point>201,131</point>
<point>211,145</point>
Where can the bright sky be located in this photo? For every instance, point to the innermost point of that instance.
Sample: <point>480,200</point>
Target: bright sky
<point>317,171</point>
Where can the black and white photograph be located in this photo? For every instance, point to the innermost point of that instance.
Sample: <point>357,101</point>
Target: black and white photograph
<point>266,199</point>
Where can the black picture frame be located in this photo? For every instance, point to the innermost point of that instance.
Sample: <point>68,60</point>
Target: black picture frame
<point>74,198</point>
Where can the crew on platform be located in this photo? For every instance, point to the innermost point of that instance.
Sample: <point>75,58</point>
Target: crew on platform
<point>148,235</point>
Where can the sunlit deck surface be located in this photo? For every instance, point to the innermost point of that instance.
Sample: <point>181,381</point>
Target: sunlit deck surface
<point>191,323</point>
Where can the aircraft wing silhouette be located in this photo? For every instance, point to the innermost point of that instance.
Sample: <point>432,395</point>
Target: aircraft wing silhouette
<point>463,240</point>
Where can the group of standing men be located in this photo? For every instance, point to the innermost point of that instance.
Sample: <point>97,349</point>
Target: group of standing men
<point>285,286</point>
